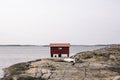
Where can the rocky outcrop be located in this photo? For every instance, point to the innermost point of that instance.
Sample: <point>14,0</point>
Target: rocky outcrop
<point>44,69</point>
<point>111,52</point>
<point>101,64</point>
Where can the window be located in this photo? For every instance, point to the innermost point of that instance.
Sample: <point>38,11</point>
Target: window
<point>59,48</point>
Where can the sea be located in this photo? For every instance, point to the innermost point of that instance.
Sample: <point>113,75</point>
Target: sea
<point>10,55</point>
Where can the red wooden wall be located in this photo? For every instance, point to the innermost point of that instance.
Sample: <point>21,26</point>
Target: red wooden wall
<point>55,50</point>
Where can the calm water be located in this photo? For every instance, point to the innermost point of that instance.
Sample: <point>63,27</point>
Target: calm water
<point>14,54</point>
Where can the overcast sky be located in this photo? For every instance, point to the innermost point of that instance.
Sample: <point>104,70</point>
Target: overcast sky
<point>51,21</point>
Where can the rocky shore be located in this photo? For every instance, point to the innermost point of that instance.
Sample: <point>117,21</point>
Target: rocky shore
<point>101,64</point>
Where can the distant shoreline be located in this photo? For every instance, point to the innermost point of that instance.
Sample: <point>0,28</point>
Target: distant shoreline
<point>48,45</point>
<point>19,45</point>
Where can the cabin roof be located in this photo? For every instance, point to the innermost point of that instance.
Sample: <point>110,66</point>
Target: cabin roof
<point>59,45</point>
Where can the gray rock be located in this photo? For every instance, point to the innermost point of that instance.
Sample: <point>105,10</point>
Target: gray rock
<point>116,78</point>
<point>46,76</point>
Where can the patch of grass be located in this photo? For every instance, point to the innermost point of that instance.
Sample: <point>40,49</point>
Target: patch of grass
<point>105,75</point>
<point>55,59</point>
<point>29,78</point>
<point>17,68</point>
<point>7,78</point>
<point>35,60</point>
<point>23,78</point>
<point>114,69</point>
<point>86,55</point>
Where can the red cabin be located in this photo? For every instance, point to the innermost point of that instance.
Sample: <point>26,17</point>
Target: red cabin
<point>59,49</point>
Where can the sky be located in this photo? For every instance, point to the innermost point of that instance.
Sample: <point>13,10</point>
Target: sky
<point>37,22</point>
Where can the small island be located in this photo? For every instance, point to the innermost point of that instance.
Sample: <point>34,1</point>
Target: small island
<point>100,64</point>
